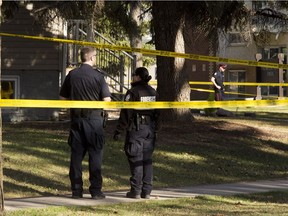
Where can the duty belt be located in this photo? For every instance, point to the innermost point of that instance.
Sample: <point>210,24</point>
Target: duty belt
<point>86,113</point>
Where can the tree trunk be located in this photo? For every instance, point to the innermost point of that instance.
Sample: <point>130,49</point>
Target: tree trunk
<point>135,33</point>
<point>1,153</point>
<point>172,73</point>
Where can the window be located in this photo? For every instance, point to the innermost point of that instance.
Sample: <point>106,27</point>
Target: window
<point>7,89</point>
<point>272,52</point>
<point>272,75</point>
<point>203,67</point>
<point>236,76</point>
<point>257,5</point>
<point>193,67</point>
<point>269,90</point>
<point>10,87</point>
<point>236,39</point>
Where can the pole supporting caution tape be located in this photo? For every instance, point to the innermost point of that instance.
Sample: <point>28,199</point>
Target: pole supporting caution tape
<point>134,105</point>
<point>156,52</point>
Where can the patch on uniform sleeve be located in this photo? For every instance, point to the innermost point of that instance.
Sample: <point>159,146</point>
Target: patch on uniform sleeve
<point>215,73</point>
<point>127,98</point>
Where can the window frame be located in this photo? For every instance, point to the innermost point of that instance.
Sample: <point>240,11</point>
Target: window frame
<point>16,80</point>
<point>241,90</point>
<point>239,36</point>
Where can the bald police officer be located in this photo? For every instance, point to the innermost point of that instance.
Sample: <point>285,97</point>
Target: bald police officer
<point>141,126</point>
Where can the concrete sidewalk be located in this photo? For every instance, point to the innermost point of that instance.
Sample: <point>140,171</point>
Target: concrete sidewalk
<point>161,194</point>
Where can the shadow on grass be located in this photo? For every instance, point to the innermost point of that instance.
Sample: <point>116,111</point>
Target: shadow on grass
<point>29,178</point>
<point>20,189</point>
<point>216,153</point>
<point>203,152</point>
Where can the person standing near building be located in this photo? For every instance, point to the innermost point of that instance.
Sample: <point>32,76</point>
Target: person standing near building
<point>217,79</point>
<point>141,126</point>
<point>86,129</point>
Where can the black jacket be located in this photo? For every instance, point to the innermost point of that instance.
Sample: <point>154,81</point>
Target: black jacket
<point>219,79</point>
<point>140,91</point>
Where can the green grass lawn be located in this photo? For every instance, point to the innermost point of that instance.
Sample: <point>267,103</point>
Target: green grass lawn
<point>207,151</point>
<point>210,150</point>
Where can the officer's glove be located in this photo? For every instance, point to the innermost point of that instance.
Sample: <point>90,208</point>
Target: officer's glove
<point>116,135</point>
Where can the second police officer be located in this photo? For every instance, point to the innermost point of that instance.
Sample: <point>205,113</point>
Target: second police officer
<point>141,126</point>
<point>217,79</point>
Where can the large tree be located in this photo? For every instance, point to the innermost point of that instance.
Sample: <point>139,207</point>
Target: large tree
<point>172,22</point>
<point>1,156</point>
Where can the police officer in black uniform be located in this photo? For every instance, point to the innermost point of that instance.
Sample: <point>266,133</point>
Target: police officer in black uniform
<point>141,126</point>
<point>217,79</point>
<point>86,129</point>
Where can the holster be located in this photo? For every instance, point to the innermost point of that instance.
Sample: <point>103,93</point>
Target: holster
<point>105,118</point>
<point>142,119</point>
<point>137,123</point>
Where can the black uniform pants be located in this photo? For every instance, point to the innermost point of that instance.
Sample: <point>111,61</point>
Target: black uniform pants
<point>219,95</point>
<point>139,147</point>
<point>86,135</point>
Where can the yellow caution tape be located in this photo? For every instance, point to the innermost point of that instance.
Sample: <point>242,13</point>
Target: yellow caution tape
<point>133,105</point>
<point>234,93</point>
<point>240,83</point>
<point>154,82</point>
<point>162,105</point>
<point>156,52</point>
<point>202,90</point>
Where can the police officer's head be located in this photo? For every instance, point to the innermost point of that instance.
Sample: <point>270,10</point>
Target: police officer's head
<point>222,67</point>
<point>88,55</point>
<point>142,73</point>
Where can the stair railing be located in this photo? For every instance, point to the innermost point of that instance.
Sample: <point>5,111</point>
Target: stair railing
<point>117,65</point>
